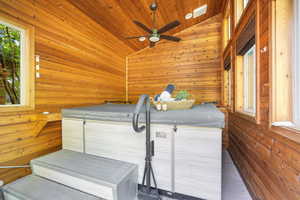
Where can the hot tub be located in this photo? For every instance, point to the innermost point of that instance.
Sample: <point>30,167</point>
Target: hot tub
<point>188,143</point>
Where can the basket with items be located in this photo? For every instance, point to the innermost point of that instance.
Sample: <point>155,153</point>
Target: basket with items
<point>165,101</point>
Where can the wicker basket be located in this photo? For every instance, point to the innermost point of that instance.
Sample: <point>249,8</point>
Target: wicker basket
<point>177,105</point>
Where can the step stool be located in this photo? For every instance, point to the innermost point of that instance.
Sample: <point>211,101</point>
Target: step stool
<point>97,176</point>
<point>33,187</point>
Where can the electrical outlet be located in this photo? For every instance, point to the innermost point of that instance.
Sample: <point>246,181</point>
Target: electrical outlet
<point>37,58</point>
<point>37,66</point>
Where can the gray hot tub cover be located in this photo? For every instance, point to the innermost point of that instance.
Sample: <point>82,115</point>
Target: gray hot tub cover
<point>202,115</point>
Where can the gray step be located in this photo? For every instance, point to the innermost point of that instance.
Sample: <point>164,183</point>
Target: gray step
<point>33,187</point>
<point>102,177</point>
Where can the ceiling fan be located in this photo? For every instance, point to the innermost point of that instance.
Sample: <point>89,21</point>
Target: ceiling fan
<point>154,35</point>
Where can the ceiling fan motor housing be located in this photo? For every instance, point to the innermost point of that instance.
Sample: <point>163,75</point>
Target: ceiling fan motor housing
<point>155,33</point>
<point>154,37</point>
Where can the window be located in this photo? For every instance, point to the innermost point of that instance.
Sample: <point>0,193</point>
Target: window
<point>246,82</point>
<point>282,62</point>
<point>11,40</point>
<point>249,64</point>
<point>296,67</point>
<point>245,75</point>
<point>286,64</point>
<point>16,65</point>
<point>227,26</point>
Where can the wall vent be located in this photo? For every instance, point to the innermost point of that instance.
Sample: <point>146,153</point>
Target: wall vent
<point>200,11</point>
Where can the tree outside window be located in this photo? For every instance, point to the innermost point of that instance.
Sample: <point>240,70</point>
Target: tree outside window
<point>10,65</point>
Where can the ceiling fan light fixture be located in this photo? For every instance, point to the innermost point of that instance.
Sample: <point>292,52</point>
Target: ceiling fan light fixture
<point>154,38</point>
<point>142,39</point>
<point>189,16</point>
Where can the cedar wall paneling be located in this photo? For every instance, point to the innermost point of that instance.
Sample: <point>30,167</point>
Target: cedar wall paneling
<point>192,64</point>
<point>268,161</point>
<point>81,64</point>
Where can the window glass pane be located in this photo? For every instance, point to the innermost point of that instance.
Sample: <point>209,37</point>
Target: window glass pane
<point>250,81</point>
<point>229,87</point>
<point>10,64</point>
<point>251,78</point>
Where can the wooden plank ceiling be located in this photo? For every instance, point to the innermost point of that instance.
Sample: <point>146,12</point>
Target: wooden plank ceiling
<point>116,15</point>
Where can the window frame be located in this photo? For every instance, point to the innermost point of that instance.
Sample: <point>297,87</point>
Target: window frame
<point>227,26</point>
<point>245,3</point>
<point>240,8</point>
<point>281,123</point>
<point>282,98</point>
<point>229,85</point>
<point>246,82</point>
<point>27,63</point>
<point>246,25</point>
<point>296,66</point>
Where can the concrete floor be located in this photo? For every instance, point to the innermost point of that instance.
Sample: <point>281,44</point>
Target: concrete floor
<point>233,187</point>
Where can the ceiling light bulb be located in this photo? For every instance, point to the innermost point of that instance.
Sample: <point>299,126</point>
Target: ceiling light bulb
<point>142,39</point>
<point>189,16</point>
<point>154,39</point>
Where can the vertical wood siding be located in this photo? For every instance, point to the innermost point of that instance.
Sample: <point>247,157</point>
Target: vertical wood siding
<point>81,64</point>
<point>192,64</point>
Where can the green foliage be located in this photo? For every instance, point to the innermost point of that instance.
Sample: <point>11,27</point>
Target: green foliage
<point>183,94</point>
<point>10,51</point>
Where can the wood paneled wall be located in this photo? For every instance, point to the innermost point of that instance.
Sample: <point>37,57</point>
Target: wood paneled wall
<point>81,64</point>
<point>267,157</point>
<point>193,64</point>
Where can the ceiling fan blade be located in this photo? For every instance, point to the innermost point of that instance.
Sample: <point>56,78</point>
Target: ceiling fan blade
<point>168,27</point>
<point>134,37</point>
<point>172,38</point>
<point>152,44</point>
<point>144,27</point>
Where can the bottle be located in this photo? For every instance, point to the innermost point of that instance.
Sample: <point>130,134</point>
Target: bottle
<point>158,106</point>
<point>164,107</point>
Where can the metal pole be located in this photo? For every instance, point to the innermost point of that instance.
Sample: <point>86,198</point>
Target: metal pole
<point>148,146</point>
<point>147,192</point>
